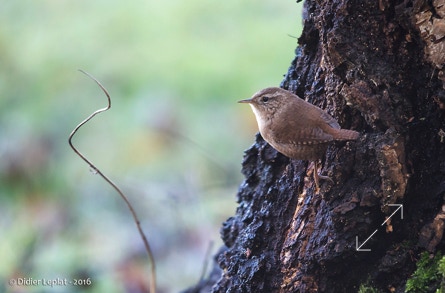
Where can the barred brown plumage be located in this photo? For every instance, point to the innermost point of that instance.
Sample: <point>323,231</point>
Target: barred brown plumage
<point>294,127</point>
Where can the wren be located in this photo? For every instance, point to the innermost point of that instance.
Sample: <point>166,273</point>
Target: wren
<point>296,128</point>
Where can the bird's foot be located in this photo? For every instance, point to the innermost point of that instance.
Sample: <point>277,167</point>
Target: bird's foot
<point>317,178</point>
<point>326,178</point>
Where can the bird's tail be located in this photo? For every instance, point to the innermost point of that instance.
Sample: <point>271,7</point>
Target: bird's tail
<point>346,134</point>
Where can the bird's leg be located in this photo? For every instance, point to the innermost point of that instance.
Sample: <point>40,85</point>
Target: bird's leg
<point>317,181</point>
<point>317,177</point>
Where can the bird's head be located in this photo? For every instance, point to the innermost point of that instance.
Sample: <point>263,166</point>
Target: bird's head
<point>267,102</point>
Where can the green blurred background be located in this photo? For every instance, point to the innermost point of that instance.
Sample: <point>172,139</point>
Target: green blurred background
<point>173,139</point>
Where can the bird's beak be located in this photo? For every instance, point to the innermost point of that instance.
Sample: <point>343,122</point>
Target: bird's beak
<point>247,101</point>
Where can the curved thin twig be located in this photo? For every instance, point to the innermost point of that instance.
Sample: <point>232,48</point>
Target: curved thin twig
<point>97,171</point>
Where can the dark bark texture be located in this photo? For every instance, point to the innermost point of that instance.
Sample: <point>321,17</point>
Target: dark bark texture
<point>376,66</point>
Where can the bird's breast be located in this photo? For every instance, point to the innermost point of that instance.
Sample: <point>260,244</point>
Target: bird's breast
<point>261,121</point>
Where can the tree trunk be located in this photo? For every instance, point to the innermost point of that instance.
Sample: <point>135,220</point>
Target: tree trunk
<point>376,66</point>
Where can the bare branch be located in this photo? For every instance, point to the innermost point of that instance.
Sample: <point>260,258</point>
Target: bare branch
<point>118,190</point>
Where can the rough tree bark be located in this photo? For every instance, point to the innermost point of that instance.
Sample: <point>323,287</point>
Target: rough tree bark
<point>376,66</point>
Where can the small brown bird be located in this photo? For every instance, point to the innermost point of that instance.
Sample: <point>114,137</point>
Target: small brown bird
<point>294,127</point>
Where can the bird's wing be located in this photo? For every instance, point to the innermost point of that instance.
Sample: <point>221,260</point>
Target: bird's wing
<point>311,128</point>
<point>297,135</point>
<point>329,120</point>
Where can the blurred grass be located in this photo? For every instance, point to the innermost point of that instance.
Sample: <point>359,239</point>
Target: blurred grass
<point>173,139</point>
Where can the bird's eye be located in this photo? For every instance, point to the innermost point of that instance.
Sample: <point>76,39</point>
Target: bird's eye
<point>264,99</point>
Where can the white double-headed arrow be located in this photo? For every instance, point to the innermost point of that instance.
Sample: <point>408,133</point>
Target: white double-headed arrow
<point>359,247</point>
